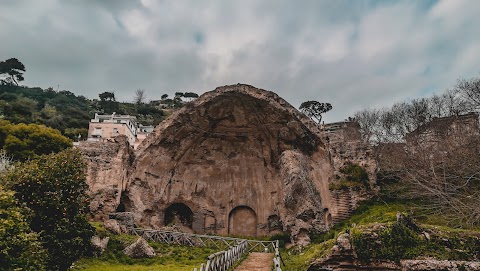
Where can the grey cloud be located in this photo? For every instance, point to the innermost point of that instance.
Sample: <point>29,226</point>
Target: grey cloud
<point>354,54</point>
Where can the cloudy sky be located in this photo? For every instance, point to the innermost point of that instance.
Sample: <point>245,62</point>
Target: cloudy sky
<point>354,54</point>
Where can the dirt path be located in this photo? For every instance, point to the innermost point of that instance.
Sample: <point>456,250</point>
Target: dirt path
<point>256,261</point>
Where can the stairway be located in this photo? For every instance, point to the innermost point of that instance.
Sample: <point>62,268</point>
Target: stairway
<point>342,200</point>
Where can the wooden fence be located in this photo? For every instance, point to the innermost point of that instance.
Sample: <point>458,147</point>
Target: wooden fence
<point>198,240</point>
<point>231,248</point>
<point>277,260</point>
<point>223,260</point>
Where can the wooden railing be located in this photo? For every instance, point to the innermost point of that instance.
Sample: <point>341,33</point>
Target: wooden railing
<point>231,248</point>
<point>277,260</point>
<point>198,240</point>
<point>223,260</point>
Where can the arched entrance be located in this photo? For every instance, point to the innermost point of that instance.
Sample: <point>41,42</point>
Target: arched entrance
<point>242,221</point>
<point>178,213</point>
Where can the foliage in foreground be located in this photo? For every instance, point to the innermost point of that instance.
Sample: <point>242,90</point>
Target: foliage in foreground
<point>19,246</point>
<point>54,188</point>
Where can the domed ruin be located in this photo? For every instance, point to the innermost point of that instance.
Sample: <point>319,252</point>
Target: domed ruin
<point>239,161</point>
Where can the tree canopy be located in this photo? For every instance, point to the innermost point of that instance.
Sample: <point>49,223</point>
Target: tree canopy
<point>19,246</point>
<point>24,141</point>
<point>54,188</point>
<point>315,109</point>
<point>13,69</point>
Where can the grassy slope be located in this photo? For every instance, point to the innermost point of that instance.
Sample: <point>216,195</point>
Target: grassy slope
<point>169,257</point>
<point>376,212</point>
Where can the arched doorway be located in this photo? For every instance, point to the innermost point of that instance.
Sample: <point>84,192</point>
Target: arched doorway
<point>242,221</point>
<point>178,213</point>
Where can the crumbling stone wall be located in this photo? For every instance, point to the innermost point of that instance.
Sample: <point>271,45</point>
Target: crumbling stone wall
<point>108,165</point>
<point>345,145</point>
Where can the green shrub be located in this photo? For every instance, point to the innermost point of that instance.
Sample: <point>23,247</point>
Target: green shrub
<point>283,239</point>
<point>354,177</point>
<point>394,242</point>
<point>54,188</point>
<point>19,246</point>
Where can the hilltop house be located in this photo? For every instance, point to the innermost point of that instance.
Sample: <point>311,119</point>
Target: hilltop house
<point>107,127</point>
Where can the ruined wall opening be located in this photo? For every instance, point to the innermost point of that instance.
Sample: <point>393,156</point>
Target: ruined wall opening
<point>120,207</point>
<point>242,221</point>
<point>327,217</point>
<point>274,224</point>
<point>179,213</point>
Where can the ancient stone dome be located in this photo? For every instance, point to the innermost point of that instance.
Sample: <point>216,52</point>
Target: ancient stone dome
<point>238,160</point>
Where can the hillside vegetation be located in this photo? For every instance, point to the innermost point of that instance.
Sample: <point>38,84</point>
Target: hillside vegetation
<point>65,111</point>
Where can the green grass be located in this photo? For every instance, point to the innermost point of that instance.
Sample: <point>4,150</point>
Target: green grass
<point>168,257</point>
<point>301,260</point>
<point>461,244</point>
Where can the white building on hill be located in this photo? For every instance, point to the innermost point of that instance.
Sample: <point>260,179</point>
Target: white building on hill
<point>107,127</point>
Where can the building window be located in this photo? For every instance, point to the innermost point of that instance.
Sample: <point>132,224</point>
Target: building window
<point>97,131</point>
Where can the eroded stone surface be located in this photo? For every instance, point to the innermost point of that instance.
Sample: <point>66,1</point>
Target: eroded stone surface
<point>238,160</point>
<point>108,164</point>
<point>139,249</point>
<point>235,149</point>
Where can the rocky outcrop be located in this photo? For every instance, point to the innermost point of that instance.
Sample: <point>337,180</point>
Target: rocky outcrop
<point>238,160</point>
<point>139,249</point>
<point>343,257</point>
<point>125,220</point>
<point>346,146</point>
<point>108,164</point>
<point>99,244</point>
<point>112,226</point>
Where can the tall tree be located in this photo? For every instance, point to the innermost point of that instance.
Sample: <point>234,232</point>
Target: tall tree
<point>190,96</point>
<point>108,103</point>
<point>19,246</point>
<point>315,109</point>
<point>13,69</point>
<point>470,89</point>
<point>140,96</point>
<point>55,189</point>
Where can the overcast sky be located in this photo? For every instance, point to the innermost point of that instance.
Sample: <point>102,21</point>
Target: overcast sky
<point>353,54</point>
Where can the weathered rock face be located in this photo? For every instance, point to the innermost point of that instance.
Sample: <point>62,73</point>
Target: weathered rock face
<point>139,249</point>
<point>238,160</point>
<point>342,257</point>
<point>345,144</point>
<point>107,173</point>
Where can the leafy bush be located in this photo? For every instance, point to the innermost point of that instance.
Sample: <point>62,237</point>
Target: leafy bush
<point>354,177</point>
<point>24,141</point>
<point>283,238</point>
<point>19,246</point>
<point>54,188</point>
<point>393,243</point>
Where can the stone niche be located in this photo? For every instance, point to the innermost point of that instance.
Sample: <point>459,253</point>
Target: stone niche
<point>238,160</point>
